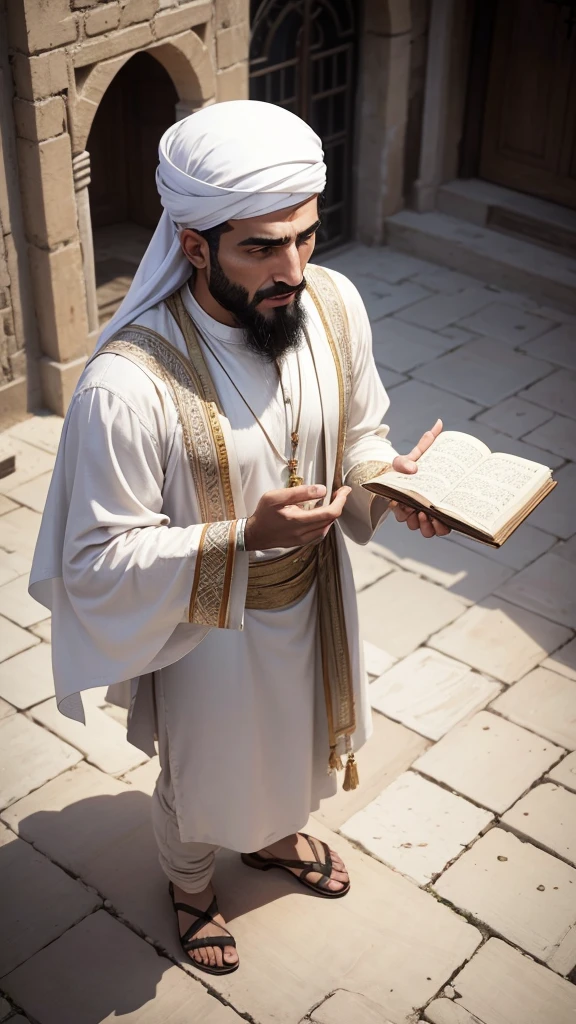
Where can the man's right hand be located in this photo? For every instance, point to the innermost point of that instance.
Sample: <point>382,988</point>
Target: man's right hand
<point>278,522</point>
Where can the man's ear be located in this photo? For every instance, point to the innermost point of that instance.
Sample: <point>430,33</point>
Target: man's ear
<point>195,248</point>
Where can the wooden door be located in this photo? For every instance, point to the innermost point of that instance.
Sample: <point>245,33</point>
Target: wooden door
<point>303,57</point>
<point>529,137</point>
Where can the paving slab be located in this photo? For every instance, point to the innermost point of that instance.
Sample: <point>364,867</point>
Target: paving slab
<point>563,661</point>
<point>6,709</point>
<point>390,378</point>
<point>489,760</point>
<point>12,565</point>
<point>6,505</point>
<point>400,346</point>
<point>26,679</point>
<point>565,772</point>
<point>544,702</point>
<point>23,743</point>
<point>416,827</point>
<point>441,310</point>
<point>466,573</point>
<point>507,323</point>
<point>33,494</point>
<point>555,392</point>
<point>483,371</point>
<point>376,661</point>
<point>556,514</point>
<point>43,630</point>
<point>19,530</point>
<point>102,740</point>
<point>389,752</point>
<point>547,587</point>
<point>525,545</point>
<point>431,693</point>
<point>100,971</point>
<point>378,263</point>
<point>457,335</point>
<point>416,406</point>
<point>441,279</point>
<point>42,430</point>
<point>547,816</point>
<point>557,346</point>
<point>499,442</point>
<point>344,1007</point>
<point>500,639</point>
<point>17,605</point>
<point>144,777</point>
<point>388,616</point>
<point>515,417</point>
<point>557,435</point>
<point>520,892</point>
<point>366,566</point>
<point>385,298</point>
<point>30,462</point>
<point>39,901</point>
<point>502,986</point>
<point>14,639</point>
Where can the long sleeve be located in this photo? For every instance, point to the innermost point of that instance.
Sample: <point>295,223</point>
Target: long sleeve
<point>136,591</point>
<point>368,449</point>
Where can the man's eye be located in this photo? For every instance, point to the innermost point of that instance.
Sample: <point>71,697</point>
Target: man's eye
<point>264,251</point>
<point>307,238</point>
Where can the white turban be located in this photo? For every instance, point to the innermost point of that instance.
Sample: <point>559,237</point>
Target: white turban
<point>228,161</point>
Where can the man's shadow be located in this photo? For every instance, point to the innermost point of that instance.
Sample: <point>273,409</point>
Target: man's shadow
<point>107,842</point>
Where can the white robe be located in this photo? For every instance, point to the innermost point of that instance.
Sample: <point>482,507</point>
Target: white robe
<point>243,710</point>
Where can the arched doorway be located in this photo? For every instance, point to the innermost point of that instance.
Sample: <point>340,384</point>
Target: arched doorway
<point>303,57</point>
<point>138,106</point>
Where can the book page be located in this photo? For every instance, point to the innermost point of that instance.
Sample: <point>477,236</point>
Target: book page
<point>442,467</point>
<point>497,489</point>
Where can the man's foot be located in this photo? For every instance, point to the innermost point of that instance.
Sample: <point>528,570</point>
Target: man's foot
<point>300,847</point>
<point>206,956</point>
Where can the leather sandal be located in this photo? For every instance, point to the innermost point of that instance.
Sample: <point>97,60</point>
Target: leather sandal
<point>188,942</point>
<point>256,860</point>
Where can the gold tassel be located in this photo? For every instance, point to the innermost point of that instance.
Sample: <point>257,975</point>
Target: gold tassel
<point>335,762</point>
<point>351,779</point>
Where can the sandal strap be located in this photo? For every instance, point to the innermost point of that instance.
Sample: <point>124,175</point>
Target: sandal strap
<point>308,866</point>
<point>209,940</point>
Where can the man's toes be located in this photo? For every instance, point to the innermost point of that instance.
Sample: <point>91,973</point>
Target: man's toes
<point>197,956</point>
<point>218,956</point>
<point>230,954</point>
<point>335,884</point>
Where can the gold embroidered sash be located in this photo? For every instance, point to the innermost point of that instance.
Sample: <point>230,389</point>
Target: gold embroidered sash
<point>272,583</point>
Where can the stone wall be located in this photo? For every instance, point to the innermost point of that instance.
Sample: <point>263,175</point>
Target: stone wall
<point>63,55</point>
<point>416,91</point>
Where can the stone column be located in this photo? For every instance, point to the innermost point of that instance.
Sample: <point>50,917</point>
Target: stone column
<point>436,106</point>
<point>81,171</point>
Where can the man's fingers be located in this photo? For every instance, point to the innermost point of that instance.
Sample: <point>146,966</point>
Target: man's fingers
<point>324,515</point>
<point>295,495</point>
<point>427,439</point>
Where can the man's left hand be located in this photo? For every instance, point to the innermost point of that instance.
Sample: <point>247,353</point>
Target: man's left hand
<point>428,526</point>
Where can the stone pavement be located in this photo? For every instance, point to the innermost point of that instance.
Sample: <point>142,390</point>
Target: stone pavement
<point>461,840</point>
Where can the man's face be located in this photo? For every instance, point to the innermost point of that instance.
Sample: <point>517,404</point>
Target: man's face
<point>257,275</point>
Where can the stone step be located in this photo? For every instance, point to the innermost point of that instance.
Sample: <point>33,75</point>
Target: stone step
<point>549,278</point>
<point>513,213</point>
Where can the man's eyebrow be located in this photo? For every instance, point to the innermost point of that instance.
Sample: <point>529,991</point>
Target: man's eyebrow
<point>273,242</point>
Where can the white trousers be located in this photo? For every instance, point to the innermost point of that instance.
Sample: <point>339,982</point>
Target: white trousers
<point>188,865</point>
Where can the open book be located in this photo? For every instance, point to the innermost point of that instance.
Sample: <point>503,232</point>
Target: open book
<point>482,494</point>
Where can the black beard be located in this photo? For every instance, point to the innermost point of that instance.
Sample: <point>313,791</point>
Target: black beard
<point>270,337</point>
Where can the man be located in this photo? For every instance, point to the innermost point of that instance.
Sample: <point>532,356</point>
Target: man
<point>189,542</point>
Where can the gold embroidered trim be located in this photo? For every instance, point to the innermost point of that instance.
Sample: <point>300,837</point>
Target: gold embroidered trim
<point>332,313</point>
<point>210,596</point>
<point>366,471</point>
<point>208,393</point>
<point>207,457</point>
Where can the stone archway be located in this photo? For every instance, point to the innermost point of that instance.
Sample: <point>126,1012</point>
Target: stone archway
<point>138,106</point>
<point>188,67</point>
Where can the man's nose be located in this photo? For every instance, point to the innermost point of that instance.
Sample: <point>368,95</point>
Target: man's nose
<point>289,269</point>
